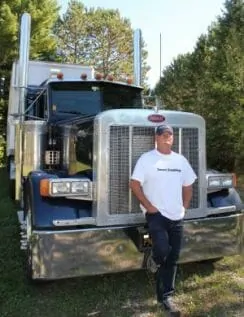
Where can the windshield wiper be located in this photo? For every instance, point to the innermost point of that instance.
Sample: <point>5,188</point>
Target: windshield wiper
<point>76,120</point>
<point>71,112</point>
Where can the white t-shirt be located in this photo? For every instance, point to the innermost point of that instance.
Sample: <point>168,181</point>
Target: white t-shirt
<point>162,177</point>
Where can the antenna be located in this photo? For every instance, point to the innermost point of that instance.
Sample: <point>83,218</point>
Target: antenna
<point>160,57</point>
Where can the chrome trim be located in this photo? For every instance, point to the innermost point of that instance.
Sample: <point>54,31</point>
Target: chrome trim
<point>180,140</point>
<point>21,91</point>
<point>84,252</point>
<point>130,166</point>
<point>101,164</point>
<point>137,58</point>
<point>24,60</point>
<point>190,215</point>
<point>87,196</point>
<point>74,222</point>
<point>34,145</point>
<point>221,175</point>
<point>207,212</point>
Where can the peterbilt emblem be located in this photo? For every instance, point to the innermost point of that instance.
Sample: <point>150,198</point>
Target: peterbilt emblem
<point>156,118</point>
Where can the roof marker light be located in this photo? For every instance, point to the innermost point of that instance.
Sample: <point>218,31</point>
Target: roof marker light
<point>98,76</point>
<point>110,77</point>
<point>60,75</point>
<point>83,76</point>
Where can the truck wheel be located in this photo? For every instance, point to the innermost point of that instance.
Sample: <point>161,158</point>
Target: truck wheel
<point>10,168</point>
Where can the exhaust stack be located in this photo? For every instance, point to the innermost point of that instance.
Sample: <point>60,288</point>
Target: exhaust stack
<point>23,61</point>
<point>22,88</point>
<point>137,58</point>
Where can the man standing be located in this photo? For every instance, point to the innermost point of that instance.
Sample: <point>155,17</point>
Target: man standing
<point>162,182</point>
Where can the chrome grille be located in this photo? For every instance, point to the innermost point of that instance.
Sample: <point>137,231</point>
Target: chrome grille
<point>119,169</point>
<point>190,150</point>
<point>126,146</point>
<point>52,157</point>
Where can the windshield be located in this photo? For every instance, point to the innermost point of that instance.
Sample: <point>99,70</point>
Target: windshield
<point>75,100</point>
<point>90,98</point>
<point>121,97</point>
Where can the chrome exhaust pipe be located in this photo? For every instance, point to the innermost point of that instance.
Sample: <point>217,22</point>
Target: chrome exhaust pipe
<point>137,58</point>
<point>24,51</point>
<point>24,61</point>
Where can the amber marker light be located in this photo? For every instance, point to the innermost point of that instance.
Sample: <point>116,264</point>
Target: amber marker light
<point>129,81</point>
<point>44,187</point>
<point>60,75</point>
<point>98,76</point>
<point>110,77</point>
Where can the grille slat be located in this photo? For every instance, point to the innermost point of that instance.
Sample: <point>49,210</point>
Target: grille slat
<point>119,170</point>
<point>142,141</point>
<point>190,150</point>
<point>126,146</point>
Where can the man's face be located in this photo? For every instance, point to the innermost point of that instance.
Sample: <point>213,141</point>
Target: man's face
<point>165,138</point>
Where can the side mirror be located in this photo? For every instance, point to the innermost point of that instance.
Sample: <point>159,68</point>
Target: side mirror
<point>2,86</point>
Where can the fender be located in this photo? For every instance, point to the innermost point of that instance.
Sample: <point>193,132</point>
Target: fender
<point>46,209</point>
<point>225,197</point>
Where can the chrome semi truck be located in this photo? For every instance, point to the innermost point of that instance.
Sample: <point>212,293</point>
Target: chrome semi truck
<point>73,140</point>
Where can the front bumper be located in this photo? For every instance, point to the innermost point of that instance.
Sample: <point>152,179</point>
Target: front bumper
<point>84,252</point>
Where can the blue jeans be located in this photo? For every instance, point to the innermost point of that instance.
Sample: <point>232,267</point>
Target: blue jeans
<point>166,237</point>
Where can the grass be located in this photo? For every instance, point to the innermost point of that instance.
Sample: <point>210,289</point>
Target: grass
<point>203,289</point>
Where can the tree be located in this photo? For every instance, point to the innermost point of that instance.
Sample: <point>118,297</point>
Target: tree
<point>71,32</point>
<point>44,14</point>
<point>98,37</point>
<point>210,82</point>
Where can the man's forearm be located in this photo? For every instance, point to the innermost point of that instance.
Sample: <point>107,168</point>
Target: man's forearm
<point>138,192</point>
<point>186,196</point>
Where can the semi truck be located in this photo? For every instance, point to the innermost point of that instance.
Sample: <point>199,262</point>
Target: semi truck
<point>72,143</point>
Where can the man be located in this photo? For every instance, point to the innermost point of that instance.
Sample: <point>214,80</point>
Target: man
<point>162,182</point>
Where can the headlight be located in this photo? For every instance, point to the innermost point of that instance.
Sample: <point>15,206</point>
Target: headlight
<point>65,187</point>
<point>80,188</point>
<point>60,188</point>
<point>214,181</point>
<point>221,181</point>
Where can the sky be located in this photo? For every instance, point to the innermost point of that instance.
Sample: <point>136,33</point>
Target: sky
<point>180,23</point>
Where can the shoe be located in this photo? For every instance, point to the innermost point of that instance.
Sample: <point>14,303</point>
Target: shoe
<point>171,307</point>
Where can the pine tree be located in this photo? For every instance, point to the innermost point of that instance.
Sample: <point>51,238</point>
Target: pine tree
<point>210,82</point>
<point>98,37</point>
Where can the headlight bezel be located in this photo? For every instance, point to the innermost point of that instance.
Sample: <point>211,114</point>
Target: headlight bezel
<point>52,187</point>
<point>220,181</point>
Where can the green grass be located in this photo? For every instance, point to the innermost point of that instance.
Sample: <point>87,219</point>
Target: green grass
<point>203,289</point>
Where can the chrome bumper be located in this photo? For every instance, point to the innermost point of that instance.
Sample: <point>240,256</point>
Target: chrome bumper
<point>84,252</point>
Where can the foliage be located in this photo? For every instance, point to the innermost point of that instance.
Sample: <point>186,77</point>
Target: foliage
<point>98,37</point>
<point>210,82</point>
<point>44,13</point>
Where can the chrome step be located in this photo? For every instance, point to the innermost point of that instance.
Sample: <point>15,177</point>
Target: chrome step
<point>23,236</point>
